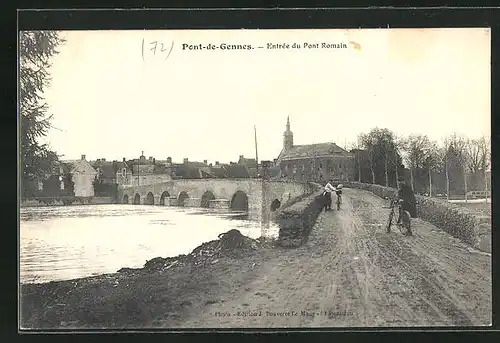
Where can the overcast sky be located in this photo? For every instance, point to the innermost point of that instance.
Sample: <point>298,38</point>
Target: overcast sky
<point>111,98</point>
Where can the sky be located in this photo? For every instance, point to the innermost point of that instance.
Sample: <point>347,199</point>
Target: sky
<point>112,96</point>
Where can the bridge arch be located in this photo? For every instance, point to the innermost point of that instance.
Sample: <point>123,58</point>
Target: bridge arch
<point>163,198</point>
<point>181,198</point>
<point>239,201</point>
<point>125,199</point>
<point>137,199</point>
<point>150,199</point>
<point>206,197</point>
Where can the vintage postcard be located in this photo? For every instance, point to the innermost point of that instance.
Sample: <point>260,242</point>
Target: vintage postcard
<point>255,178</point>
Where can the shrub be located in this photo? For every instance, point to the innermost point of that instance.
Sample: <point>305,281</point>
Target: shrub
<point>297,220</point>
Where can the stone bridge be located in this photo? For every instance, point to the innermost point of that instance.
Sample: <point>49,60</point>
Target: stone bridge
<point>252,195</point>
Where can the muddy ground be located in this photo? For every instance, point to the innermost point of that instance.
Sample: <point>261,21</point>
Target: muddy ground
<point>350,273</point>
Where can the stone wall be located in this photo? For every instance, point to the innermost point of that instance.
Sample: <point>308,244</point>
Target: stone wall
<point>470,227</point>
<point>192,202</point>
<point>219,203</point>
<point>144,180</point>
<point>297,221</point>
<point>102,200</point>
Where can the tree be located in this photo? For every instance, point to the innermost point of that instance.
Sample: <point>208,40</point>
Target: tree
<point>356,148</point>
<point>35,51</point>
<point>399,144</point>
<point>431,161</point>
<point>368,144</point>
<point>485,147</point>
<point>415,147</point>
<point>477,153</point>
<point>382,153</point>
<point>459,146</point>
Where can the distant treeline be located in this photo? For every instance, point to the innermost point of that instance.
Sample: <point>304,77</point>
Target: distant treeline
<point>454,166</point>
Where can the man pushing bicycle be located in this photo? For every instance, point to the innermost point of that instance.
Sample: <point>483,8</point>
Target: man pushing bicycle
<point>405,193</point>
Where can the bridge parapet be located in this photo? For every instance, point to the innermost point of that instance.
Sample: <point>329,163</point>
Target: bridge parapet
<point>255,195</point>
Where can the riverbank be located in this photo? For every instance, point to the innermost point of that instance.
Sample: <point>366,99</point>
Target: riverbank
<point>66,201</point>
<point>160,291</point>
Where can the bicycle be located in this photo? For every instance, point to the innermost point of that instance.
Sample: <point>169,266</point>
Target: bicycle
<point>404,221</point>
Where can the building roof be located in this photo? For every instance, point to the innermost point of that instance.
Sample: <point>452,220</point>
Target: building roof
<point>218,172</point>
<point>159,169</point>
<point>195,164</point>
<point>237,171</point>
<point>310,151</point>
<point>206,174</point>
<point>80,166</point>
<point>121,165</point>
<point>249,162</point>
<point>187,171</point>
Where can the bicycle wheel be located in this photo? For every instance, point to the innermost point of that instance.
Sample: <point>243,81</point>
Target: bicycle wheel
<point>406,223</point>
<point>389,222</point>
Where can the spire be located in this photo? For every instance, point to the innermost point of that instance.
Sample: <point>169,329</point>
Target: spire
<point>287,135</point>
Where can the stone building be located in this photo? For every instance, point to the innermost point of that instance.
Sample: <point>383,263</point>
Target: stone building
<point>313,162</point>
<point>144,171</point>
<point>109,175</point>
<point>82,175</point>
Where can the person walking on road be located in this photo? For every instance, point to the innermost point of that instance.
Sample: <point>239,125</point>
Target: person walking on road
<point>329,189</point>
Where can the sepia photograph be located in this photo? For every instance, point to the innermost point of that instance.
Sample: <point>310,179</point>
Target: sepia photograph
<point>305,178</point>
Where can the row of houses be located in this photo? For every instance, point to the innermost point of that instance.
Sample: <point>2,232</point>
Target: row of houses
<point>83,178</point>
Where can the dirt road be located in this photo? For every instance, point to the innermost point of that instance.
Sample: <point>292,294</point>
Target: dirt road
<point>352,274</point>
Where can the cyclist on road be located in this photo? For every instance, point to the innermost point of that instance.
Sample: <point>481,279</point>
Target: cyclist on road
<point>405,193</point>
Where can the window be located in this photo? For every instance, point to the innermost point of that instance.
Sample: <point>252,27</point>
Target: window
<point>340,165</point>
<point>124,172</point>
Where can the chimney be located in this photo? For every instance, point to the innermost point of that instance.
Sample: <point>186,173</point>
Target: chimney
<point>241,157</point>
<point>210,165</point>
<point>216,163</point>
<point>151,158</point>
<point>205,162</point>
<point>103,159</point>
<point>186,160</point>
<point>169,159</point>
<point>98,160</point>
<point>124,159</point>
<point>154,160</point>
<point>83,157</point>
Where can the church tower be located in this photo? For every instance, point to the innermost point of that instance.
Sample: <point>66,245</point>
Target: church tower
<point>287,136</point>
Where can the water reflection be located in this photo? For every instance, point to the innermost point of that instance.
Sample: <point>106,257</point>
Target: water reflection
<point>60,243</point>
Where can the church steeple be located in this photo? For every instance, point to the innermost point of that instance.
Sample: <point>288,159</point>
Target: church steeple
<point>287,136</point>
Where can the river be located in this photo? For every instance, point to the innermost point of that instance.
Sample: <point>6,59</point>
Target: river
<point>68,242</point>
